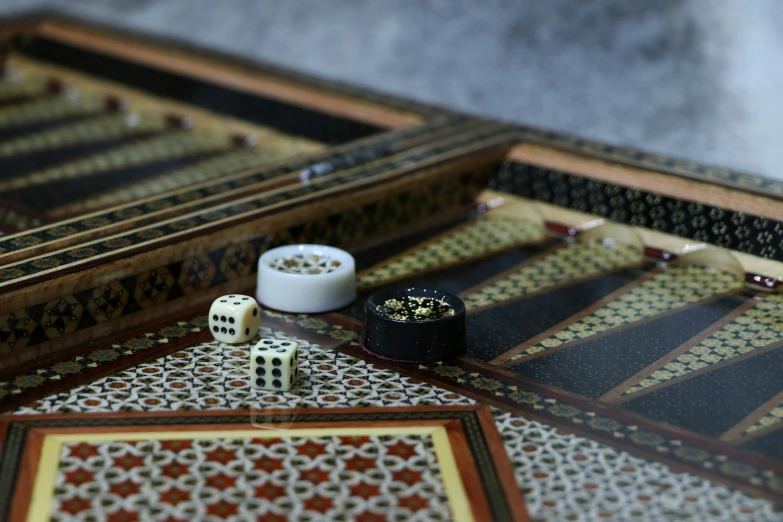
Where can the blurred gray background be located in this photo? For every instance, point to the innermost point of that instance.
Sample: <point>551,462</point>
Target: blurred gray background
<point>698,79</point>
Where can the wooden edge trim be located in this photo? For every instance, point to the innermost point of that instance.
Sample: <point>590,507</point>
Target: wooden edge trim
<point>228,413</point>
<point>188,428</point>
<point>27,22</point>
<point>466,465</point>
<point>637,178</point>
<point>25,479</point>
<point>230,75</point>
<point>505,472</point>
<point>737,432</point>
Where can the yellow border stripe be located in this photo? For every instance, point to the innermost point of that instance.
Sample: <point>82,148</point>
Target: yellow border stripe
<point>45,479</point>
<point>455,489</point>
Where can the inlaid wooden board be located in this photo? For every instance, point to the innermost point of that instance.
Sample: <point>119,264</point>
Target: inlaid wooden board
<point>137,175</point>
<point>555,469</point>
<point>439,463</point>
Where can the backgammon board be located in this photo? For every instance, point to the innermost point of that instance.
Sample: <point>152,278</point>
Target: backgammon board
<point>624,321</point>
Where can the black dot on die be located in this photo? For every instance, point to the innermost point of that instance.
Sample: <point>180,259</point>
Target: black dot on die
<point>222,300</point>
<point>216,329</point>
<point>215,317</point>
<point>260,360</point>
<point>231,331</point>
<point>267,342</point>
<point>231,296</point>
<point>223,330</point>
<point>237,303</point>
<point>231,320</point>
<point>276,372</point>
<point>260,382</point>
<point>247,331</point>
<point>255,312</point>
<point>245,298</point>
<point>223,318</point>
<point>277,384</point>
<point>260,371</point>
<point>286,344</point>
<point>281,350</point>
<point>276,361</point>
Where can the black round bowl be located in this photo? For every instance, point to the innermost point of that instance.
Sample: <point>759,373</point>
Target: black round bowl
<point>414,341</point>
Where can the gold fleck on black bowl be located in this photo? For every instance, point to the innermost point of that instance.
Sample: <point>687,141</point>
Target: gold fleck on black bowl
<point>414,325</point>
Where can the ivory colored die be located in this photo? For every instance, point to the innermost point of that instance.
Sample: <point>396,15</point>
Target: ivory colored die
<point>274,364</point>
<point>234,318</point>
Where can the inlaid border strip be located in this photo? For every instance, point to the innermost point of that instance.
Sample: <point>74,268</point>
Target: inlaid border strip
<point>655,162</point>
<point>737,231</point>
<point>62,26</point>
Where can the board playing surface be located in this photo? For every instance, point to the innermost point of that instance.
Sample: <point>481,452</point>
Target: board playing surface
<point>611,372</point>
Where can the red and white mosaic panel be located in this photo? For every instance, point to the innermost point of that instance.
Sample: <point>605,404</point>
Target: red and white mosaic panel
<point>330,478</point>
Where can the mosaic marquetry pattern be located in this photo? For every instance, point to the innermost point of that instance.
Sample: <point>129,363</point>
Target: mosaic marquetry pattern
<point>371,152</point>
<point>208,376</point>
<point>773,417</point>
<point>678,286</point>
<point>49,108</point>
<point>17,221</point>
<point>14,87</point>
<point>725,228</point>
<point>758,327</point>
<point>568,477</point>
<point>123,297</point>
<point>577,261</point>
<point>478,238</point>
<point>380,477</point>
<point>422,204</point>
<point>50,320</point>
<point>92,130</point>
<point>100,358</point>
<point>209,169</point>
<point>167,146</point>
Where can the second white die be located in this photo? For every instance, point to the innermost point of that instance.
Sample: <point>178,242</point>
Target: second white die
<point>274,364</point>
<point>234,318</point>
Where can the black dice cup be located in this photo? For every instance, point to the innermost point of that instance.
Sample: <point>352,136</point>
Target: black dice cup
<point>413,340</point>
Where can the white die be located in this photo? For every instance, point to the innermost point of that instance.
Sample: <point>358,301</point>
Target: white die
<point>274,364</point>
<point>234,318</point>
